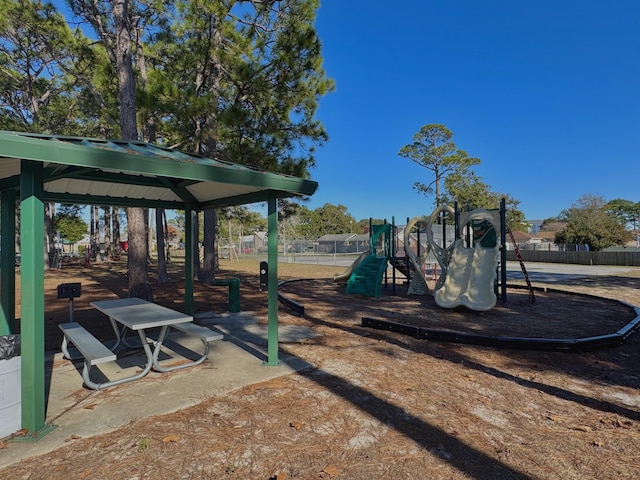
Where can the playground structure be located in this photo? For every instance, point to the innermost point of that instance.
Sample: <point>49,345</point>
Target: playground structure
<point>469,266</point>
<point>472,274</point>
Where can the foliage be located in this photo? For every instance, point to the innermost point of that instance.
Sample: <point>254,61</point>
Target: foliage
<point>172,233</point>
<point>328,219</point>
<point>364,224</point>
<point>240,81</point>
<point>468,189</point>
<point>433,148</point>
<point>45,82</point>
<point>589,222</point>
<point>243,221</point>
<point>70,224</point>
<point>626,211</point>
<point>552,224</point>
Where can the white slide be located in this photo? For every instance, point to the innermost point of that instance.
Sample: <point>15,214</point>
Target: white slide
<point>472,271</point>
<point>471,277</point>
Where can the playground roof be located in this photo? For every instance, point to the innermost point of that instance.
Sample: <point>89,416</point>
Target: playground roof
<point>127,173</point>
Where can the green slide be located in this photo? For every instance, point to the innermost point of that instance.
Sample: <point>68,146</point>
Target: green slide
<point>366,278</point>
<point>343,277</point>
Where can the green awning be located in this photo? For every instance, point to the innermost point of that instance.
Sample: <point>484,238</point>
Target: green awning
<point>125,173</point>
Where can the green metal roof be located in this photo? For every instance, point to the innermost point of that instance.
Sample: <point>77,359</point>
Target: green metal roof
<point>125,173</point>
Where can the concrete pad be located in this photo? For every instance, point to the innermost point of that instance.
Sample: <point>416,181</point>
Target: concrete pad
<point>234,362</point>
<point>558,272</point>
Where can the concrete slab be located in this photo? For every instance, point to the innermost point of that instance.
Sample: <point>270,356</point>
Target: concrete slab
<point>233,362</point>
<point>559,272</point>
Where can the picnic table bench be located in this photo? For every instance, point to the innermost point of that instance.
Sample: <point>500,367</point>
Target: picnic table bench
<point>205,334</point>
<point>137,315</point>
<point>92,349</point>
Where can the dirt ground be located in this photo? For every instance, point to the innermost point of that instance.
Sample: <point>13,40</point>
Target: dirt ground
<point>379,404</point>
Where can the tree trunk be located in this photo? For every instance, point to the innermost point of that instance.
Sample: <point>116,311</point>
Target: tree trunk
<point>95,233</point>
<point>49,235</point>
<point>107,232</point>
<point>166,237</point>
<point>207,273</point>
<point>115,216</point>
<point>163,277</point>
<point>124,69</point>
<point>137,255</point>
<point>147,233</point>
<point>208,129</point>
<point>138,251</point>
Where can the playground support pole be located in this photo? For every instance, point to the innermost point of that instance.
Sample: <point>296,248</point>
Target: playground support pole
<point>456,227</point>
<point>503,250</point>
<point>394,253</point>
<point>469,237</point>
<point>386,275</point>
<point>406,255</point>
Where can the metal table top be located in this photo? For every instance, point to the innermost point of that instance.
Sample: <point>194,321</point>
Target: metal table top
<point>137,314</point>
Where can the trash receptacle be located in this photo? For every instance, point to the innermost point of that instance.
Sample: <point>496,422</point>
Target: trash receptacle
<point>10,380</point>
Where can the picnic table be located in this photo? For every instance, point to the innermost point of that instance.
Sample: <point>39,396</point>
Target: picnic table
<point>136,315</point>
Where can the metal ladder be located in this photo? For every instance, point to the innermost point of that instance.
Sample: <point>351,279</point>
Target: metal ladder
<point>532,297</point>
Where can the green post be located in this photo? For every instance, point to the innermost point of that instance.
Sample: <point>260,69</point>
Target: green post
<point>234,292</point>
<point>234,295</point>
<point>188,260</point>
<point>272,292</point>
<point>32,297</point>
<point>8,262</point>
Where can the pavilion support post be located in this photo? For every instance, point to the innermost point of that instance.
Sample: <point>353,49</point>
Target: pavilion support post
<point>32,298</point>
<point>188,259</point>
<point>8,262</point>
<point>272,291</point>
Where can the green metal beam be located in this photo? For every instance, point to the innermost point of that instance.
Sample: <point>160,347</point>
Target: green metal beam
<point>32,297</point>
<point>8,262</point>
<point>111,201</point>
<point>253,197</point>
<point>272,289</point>
<point>180,190</point>
<point>58,172</point>
<point>10,183</point>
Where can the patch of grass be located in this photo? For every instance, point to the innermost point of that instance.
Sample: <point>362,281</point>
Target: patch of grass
<point>143,444</point>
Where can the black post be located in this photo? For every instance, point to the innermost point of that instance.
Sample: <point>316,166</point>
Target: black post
<point>394,254</point>
<point>406,254</point>
<point>503,250</point>
<point>264,275</point>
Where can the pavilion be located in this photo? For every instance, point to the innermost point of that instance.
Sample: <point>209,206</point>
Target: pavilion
<point>37,168</point>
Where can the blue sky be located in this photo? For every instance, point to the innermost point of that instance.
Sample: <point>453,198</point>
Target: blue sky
<point>546,94</point>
